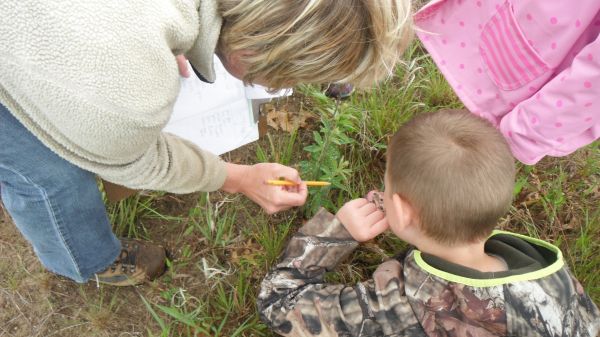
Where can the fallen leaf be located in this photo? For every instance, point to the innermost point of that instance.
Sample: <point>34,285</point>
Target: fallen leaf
<point>288,121</point>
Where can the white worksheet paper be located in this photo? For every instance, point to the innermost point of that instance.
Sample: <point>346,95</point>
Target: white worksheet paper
<point>217,117</point>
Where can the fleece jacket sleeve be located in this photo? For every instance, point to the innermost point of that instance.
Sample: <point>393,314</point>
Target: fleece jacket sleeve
<point>96,83</point>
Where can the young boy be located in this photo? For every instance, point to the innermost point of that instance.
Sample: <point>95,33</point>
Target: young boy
<point>449,179</point>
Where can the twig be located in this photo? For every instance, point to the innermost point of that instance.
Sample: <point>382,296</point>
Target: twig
<point>67,327</point>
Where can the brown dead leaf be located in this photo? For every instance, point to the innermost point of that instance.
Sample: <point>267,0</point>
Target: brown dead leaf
<point>288,121</point>
<point>572,223</point>
<point>247,250</point>
<point>531,198</point>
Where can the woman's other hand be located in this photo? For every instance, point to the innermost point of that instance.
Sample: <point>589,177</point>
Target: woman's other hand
<point>252,182</point>
<point>182,64</point>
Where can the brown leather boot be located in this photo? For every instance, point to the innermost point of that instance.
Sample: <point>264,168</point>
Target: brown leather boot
<point>138,262</point>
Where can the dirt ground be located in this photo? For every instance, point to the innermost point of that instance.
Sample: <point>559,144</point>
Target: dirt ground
<point>34,302</point>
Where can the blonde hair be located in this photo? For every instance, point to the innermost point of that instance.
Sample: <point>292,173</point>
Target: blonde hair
<point>456,170</point>
<point>316,41</point>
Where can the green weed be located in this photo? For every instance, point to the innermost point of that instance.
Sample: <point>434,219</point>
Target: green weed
<point>124,215</point>
<point>214,224</point>
<point>280,149</point>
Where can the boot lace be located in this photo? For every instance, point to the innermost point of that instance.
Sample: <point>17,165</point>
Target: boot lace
<point>126,259</point>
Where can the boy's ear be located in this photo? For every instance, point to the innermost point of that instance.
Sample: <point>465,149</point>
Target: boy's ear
<point>404,211</point>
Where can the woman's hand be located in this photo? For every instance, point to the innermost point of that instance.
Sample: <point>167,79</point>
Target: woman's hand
<point>363,219</point>
<point>182,65</point>
<point>252,182</point>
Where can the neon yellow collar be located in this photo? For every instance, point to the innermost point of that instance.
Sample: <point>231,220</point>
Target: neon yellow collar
<point>551,269</point>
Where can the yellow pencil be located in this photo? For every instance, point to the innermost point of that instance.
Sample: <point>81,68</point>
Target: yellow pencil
<point>291,183</point>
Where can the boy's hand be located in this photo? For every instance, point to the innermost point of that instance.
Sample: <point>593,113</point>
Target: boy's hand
<point>362,219</point>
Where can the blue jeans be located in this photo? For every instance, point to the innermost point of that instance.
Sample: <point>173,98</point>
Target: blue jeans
<point>56,205</point>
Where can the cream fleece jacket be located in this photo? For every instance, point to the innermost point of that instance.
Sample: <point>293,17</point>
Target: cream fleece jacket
<point>96,81</point>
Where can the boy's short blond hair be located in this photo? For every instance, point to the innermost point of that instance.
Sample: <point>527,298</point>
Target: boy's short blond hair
<point>456,170</point>
<point>316,41</point>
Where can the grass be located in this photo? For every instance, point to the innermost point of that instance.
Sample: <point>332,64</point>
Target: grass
<point>222,245</point>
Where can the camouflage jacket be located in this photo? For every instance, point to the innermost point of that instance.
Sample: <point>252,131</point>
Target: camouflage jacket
<point>408,296</point>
